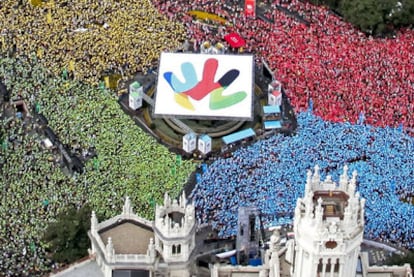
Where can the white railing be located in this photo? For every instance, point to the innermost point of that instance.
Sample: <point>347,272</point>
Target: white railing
<point>182,231</point>
<point>133,258</point>
<point>121,217</point>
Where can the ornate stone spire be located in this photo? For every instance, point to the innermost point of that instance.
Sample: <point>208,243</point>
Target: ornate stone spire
<point>94,221</point>
<point>308,185</point>
<point>166,200</point>
<point>183,200</point>
<point>319,211</point>
<point>316,177</point>
<point>127,209</point>
<point>110,251</point>
<point>352,184</point>
<point>343,179</point>
<point>309,204</point>
<point>362,213</point>
<point>151,248</point>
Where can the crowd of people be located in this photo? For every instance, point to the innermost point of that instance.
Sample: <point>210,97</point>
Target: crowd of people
<point>271,175</point>
<point>315,61</point>
<point>343,71</point>
<point>35,184</point>
<point>89,37</point>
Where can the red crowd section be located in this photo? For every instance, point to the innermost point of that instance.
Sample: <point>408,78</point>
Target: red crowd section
<point>343,71</point>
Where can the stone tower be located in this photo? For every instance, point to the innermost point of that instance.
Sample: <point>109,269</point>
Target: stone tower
<point>328,227</point>
<point>175,228</point>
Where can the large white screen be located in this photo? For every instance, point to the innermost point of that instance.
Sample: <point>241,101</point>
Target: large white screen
<point>202,85</point>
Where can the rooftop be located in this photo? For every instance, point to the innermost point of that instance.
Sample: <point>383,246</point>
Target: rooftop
<point>128,237</point>
<point>334,202</point>
<point>86,268</point>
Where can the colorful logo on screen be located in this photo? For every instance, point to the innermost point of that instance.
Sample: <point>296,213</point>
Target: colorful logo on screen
<point>199,89</point>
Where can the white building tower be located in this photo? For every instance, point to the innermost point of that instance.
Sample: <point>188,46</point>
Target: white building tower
<point>328,227</point>
<point>175,228</point>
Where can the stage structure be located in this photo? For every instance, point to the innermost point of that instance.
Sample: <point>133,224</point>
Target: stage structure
<point>135,95</point>
<point>275,93</point>
<point>204,144</point>
<point>272,117</point>
<point>205,86</point>
<point>189,142</point>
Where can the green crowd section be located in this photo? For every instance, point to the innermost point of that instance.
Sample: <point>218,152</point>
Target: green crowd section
<point>35,187</point>
<point>53,54</point>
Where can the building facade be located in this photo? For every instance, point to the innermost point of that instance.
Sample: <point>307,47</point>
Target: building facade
<point>163,247</point>
<point>328,227</point>
<point>328,231</point>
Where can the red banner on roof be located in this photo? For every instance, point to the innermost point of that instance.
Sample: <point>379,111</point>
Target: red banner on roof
<point>250,8</point>
<point>235,40</point>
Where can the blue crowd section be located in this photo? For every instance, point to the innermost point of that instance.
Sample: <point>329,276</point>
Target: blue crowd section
<point>237,136</point>
<point>271,175</point>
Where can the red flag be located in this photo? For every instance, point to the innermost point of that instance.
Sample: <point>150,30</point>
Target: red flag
<point>235,40</point>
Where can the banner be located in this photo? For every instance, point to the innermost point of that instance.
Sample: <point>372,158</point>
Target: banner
<point>235,40</point>
<point>205,85</point>
<point>208,16</point>
<point>250,8</point>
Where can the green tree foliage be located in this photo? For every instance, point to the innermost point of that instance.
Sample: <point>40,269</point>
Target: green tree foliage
<point>333,4</point>
<point>369,15</point>
<point>400,260</point>
<point>377,17</point>
<point>67,237</point>
<point>402,14</point>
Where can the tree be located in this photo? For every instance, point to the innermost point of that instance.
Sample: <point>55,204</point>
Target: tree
<point>402,259</point>
<point>333,4</point>
<point>365,14</point>
<point>402,13</point>
<point>378,17</point>
<point>67,237</point>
